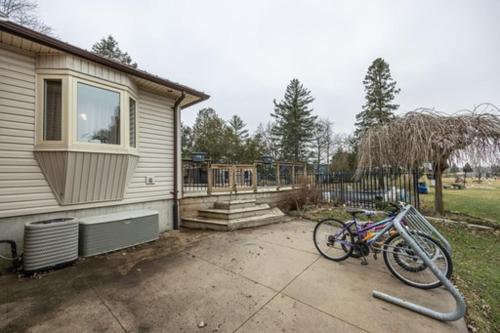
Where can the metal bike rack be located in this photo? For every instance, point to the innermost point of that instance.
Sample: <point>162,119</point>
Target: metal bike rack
<point>410,223</point>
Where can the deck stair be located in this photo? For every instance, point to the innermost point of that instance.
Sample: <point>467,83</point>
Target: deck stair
<point>234,214</point>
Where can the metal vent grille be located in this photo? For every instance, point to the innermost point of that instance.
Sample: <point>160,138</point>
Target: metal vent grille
<point>50,243</point>
<point>105,233</point>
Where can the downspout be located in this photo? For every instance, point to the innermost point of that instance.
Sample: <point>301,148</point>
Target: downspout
<point>176,159</point>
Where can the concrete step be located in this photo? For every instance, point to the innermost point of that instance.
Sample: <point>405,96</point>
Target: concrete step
<point>234,204</point>
<point>233,214</point>
<point>273,216</point>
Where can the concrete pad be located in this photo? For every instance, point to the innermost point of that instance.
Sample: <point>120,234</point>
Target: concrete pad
<point>344,290</point>
<point>297,234</point>
<point>176,293</point>
<point>57,306</point>
<point>284,314</point>
<point>269,264</point>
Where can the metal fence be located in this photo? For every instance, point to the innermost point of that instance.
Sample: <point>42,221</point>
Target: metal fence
<point>368,190</point>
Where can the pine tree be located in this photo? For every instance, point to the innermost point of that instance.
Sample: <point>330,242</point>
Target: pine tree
<point>237,125</point>
<point>187,140</point>
<point>294,122</point>
<point>108,47</point>
<point>380,90</point>
<point>210,135</point>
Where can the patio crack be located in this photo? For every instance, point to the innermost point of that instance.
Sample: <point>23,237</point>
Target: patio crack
<point>277,293</point>
<point>107,307</point>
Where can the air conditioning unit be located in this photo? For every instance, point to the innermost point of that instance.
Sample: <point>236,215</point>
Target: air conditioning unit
<point>50,243</point>
<point>105,233</point>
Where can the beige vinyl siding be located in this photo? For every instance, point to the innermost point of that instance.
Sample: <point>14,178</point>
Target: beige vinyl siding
<point>23,187</point>
<point>22,184</point>
<point>156,149</point>
<point>63,61</point>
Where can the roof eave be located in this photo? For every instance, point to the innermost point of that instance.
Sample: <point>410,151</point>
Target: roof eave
<point>51,42</point>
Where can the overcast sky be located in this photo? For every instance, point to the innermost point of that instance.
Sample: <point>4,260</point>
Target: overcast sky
<point>443,54</point>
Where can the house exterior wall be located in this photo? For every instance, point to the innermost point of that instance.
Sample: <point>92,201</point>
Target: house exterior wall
<point>23,187</point>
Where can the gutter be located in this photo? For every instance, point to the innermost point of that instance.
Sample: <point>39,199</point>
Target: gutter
<point>177,108</point>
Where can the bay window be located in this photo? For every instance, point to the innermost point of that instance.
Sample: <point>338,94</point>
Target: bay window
<point>81,113</point>
<point>85,127</point>
<point>98,115</point>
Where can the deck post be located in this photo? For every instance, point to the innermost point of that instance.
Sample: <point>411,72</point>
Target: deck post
<point>277,175</point>
<point>232,178</point>
<point>254,177</point>
<point>209,179</point>
<point>306,182</point>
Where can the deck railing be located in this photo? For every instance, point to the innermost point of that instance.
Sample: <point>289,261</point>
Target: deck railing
<point>200,177</point>
<point>366,190</point>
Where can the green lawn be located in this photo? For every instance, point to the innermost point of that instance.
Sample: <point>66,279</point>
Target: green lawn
<point>476,258</point>
<point>477,200</point>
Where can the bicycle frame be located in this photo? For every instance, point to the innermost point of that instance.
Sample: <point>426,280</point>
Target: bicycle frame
<point>387,224</point>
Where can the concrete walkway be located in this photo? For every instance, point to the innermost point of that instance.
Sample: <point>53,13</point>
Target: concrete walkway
<point>268,279</point>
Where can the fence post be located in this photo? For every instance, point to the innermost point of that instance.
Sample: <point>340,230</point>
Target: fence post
<point>277,175</point>
<point>209,179</point>
<point>306,179</point>
<point>254,177</point>
<point>232,178</point>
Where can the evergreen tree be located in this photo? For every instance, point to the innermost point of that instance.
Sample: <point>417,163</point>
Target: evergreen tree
<point>108,47</point>
<point>237,125</point>
<point>294,122</point>
<point>236,140</point>
<point>380,90</point>
<point>187,141</point>
<point>210,134</point>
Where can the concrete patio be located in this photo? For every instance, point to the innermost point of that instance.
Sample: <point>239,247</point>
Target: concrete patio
<point>268,279</point>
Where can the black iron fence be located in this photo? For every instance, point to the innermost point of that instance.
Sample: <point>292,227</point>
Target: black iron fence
<point>371,189</point>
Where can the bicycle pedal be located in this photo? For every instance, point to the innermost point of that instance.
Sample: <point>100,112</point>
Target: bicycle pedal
<point>375,256</point>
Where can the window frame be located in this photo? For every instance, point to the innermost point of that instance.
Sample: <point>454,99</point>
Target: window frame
<point>69,140</point>
<point>89,146</point>
<point>40,110</point>
<point>136,123</point>
<point>74,112</point>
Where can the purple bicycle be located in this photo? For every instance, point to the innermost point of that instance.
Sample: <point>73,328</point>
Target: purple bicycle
<point>337,241</point>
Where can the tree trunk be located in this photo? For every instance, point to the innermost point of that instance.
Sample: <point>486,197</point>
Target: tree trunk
<point>438,196</point>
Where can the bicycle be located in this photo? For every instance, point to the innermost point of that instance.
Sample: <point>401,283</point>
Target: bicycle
<point>354,239</point>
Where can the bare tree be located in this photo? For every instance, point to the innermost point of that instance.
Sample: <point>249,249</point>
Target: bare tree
<point>23,12</point>
<point>322,141</point>
<point>425,135</point>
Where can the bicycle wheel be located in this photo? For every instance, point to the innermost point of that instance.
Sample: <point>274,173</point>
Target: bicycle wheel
<point>333,240</point>
<point>407,266</point>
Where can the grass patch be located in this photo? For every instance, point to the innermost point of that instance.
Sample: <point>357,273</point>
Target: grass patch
<point>477,201</point>
<point>477,273</point>
<point>476,258</point>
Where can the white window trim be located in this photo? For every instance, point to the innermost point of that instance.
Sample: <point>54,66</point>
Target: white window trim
<point>39,114</point>
<point>131,96</point>
<point>69,131</point>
